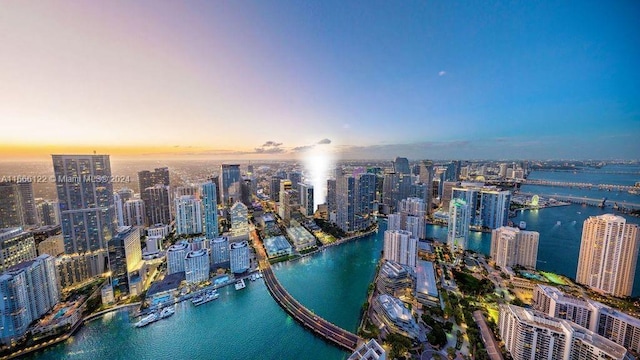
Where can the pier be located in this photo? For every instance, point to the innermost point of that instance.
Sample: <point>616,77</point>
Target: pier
<point>590,186</point>
<point>299,312</point>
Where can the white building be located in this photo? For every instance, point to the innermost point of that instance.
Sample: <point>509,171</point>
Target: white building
<point>370,350</point>
<point>134,213</point>
<point>392,316</point>
<point>608,255</point>
<point>160,230</point>
<point>188,215</point>
<point>196,266</point>
<point>458,227</point>
<point>239,220</point>
<point>239,257</point>
<point>175,257</point>
<point>512,246</point>
<point>16,246</point>
<point>401,247</point>
<point>219,250</point>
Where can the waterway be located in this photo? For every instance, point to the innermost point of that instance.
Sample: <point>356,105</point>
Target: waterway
<point>245,324</point>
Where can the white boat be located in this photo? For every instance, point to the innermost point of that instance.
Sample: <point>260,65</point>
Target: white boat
<point>197,300</point>
<point>253,277</point>
<point>147,320</point>
<point>166,312</point>
<point>260,275</point>
<point>522,225</point>
<point>240,284</point>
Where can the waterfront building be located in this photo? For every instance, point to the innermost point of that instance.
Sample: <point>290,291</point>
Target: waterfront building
<point>426,175</point>
<point>16,246</point>
<point>390,314</point>
<point>512,246</point>
<point>426,289</point>
<point>134,213</point>
<point>301,238</point>
<point>196,266</point>
<point>530,334</point>
<point>125,260</point>
<point>447,193</point>
<point>230,183</point>
<point>394,222</point>
<point>276,246</point>
<point>557,304</point>
<point>366,193</point>
<point>458,227</point>
<point>400,246</point>
<point>608,255</point>
<point>306,199</point>
<point>188,215</point>
<point>85,196</point>
<point>239,220</point>
<point>209,195</point>
<point>156,204</point>
<point>147,179</point>
<point>370,350</point>
<point>27,292</point>
<point>346,203</point>
<point>412,212</point>
<point>619,327</point>
<point>53,245</point>
<point>488,207</point>
<point>219,250</point>
<point>239,257</point>
<point>331,195</point>
<point>77,268</point>
<point>394,279</point>
<point>175,257</point>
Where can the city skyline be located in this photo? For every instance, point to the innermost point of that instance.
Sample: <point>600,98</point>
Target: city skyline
<point>439,81</point>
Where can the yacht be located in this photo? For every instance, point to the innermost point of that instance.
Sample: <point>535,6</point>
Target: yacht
<point>240,284</point>
<point>209,296</point>
<point>147,320</point>
<point>197,300</point>
<point>522,225</point>
<point>166,312</point>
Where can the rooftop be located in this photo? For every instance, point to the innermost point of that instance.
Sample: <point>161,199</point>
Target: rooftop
<point>425,278</point>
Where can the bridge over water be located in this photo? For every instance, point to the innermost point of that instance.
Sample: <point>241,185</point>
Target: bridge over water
<point>610,187</point>
<point>306,317</point>
<point>588,201</point>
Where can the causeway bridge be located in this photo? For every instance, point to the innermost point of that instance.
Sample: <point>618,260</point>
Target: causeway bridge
<point>306,317</point>
<point>608,187</point>
<point>580,200</point>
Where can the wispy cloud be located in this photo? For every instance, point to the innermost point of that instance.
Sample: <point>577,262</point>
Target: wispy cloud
<point>442,73</point>
<point>324,141</point>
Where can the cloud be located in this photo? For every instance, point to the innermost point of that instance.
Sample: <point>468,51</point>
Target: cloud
<point>442,73</point>
<point>324,141</point>
<point>271,144</point>
<point>302,148</point>
<point>268,150</point>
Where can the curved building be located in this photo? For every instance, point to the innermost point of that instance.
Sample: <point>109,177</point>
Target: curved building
<point>175,257</point>
<point>239,257</point>
<point>196,266</point>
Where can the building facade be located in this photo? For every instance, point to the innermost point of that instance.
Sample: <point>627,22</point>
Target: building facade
<point>400,246</point>
<point>512,246</point>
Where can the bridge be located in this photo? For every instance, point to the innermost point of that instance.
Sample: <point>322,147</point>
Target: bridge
<point>608,187</point>
<point>306,317</point>
<point>583,200</point>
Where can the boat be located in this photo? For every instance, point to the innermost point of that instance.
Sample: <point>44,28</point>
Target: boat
<point>197,300</point>
<point>166,312</point>
<point>522,225</point>
<point>558,222</point>
<point>147,320</point>
<point>240,284</point>
<point>253,277</point>
<point>209,296</point>
<point>260,275</point>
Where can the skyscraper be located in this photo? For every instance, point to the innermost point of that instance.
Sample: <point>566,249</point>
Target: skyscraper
<point>230,183</point>
<point>458,227</point>
<point>239,220</point>
<point>219,250</point>
<point>17,204</point>
<point>239,257</point>
<point>512,246</point>
<point>196,266</point>
<point>134,213</point>
<point>156,204</point>
<point>175,257</point>
<point>118,205</point>
<point>147,179</point>
<point>331,195</point>
<point>401,165</point>
<point>426,177</point>
<point>125,257</point>
<point>85,196</point>
<point>306,199</point>
<point>295,177</point>
<point>346,203</point>
<point>188,215</point>
<point>608,254</point>
<point>400,246</point>
<point>366,196</point>
<point>209,196</point>
<point>16,246</point>
<point>488,207</point>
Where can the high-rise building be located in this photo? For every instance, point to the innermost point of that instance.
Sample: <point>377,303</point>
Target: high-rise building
<point>239,257</point>
<point>16,246</point>
<point>53,245</point>
<point>512,246</point>
<point>247,189</point>
<point>608,254</point>
<point>11,214</point>
<point>400,246</point>
<point>274,188</point>
<point>530,334</point>
<point>156,204</point>
<point>175,257</point>
<point>366,194</point>
<point>27,291</point>
<point>401,165</point>
<point>125,259</point>
<point>28,203</point>
<point>239,220</point>
<point>331,195</point>
<point>426,177</point>
<point>488,207</point>
<point>85,196</point>
<point>188,190</point>
<point>458,227</point>
<point>196,266</point>
<point>219,250</point>
<point>306,199</point>
<point>134,213</point>
<point>147,179</point>
<point>119,208</point>
<point>48,212</point>
<point>346,203</point>
<point>394,317</point>
<point>412,216</point>
<point>188,215</point>
<point>295,177</point>
<point>209,195</point>
<point>230,183</point>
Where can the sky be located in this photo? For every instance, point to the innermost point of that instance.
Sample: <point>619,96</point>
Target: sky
<point>276,79</point>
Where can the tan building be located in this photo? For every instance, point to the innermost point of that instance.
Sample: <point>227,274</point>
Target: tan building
<point>53,245</point>
<point>512,246</point>
<point>608,254</point>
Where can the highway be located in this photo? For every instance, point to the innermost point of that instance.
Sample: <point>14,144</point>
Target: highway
<point>612,187</point>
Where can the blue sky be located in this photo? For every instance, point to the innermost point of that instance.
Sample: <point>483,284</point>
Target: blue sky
<point>379,79</point>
